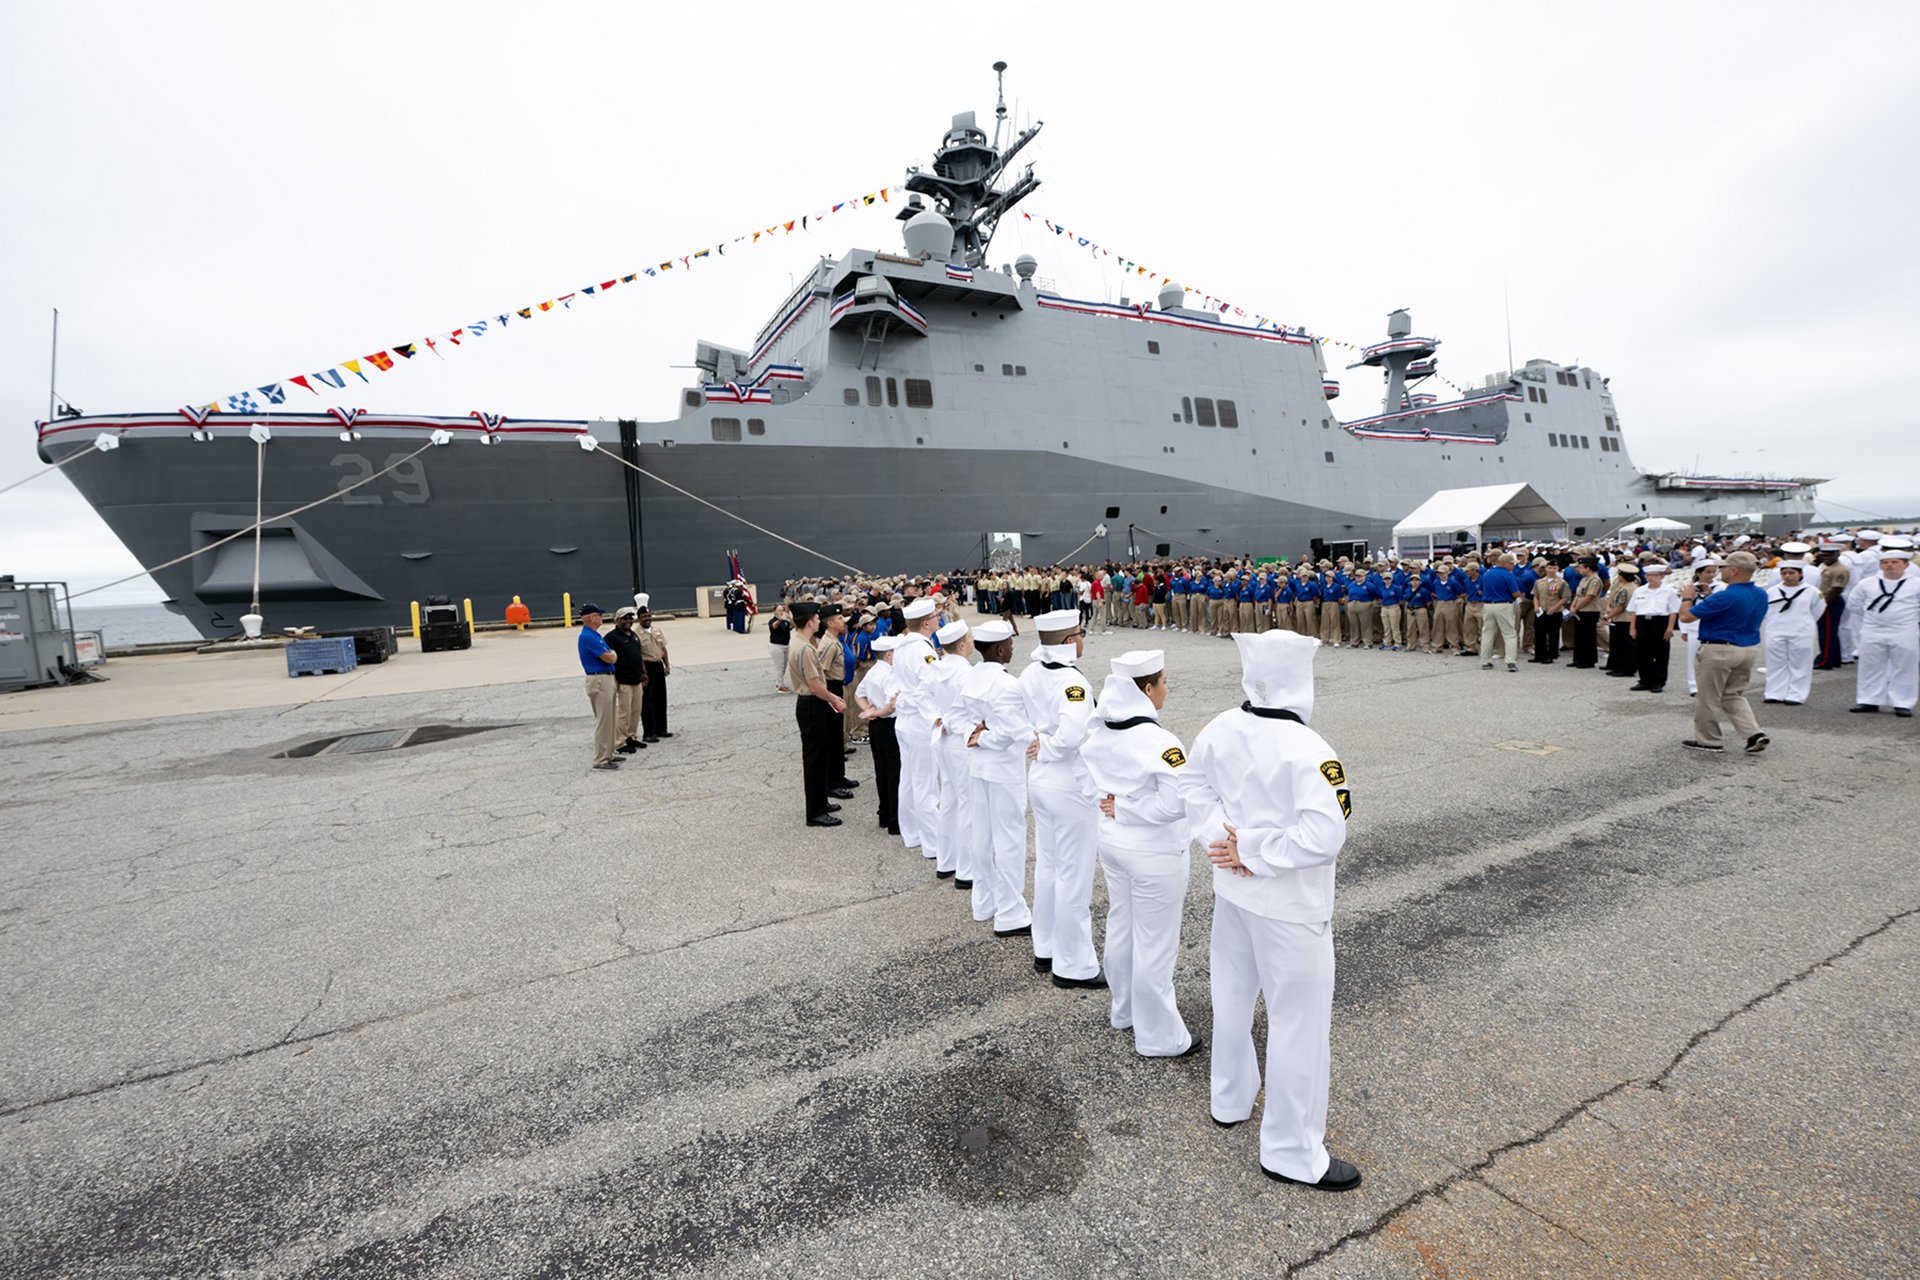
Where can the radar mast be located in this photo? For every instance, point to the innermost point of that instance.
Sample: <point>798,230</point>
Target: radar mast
<point>961,181</point>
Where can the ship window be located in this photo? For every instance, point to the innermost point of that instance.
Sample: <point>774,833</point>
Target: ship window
<point>1019,371</point>
<point>1609,422</point>
<point>1585,443</point>
<point>1529,417</point>
<point>756,426</point>
<point>1203,408</point>
<point>1006,371</point>
<point>1543,395</point>
<point>1329,455</point>
<point>1113,513</point>
<point>726,430</point>
<point>852,395</point>
<point>1162,549</point>
<point>873,391</point>
<point>1553,440</point>
<point>1186,410</point>
<point>1153,347</point>
<point>919,393</point>
<point>693,400</point>
<point>893,394</point>
<point>1229,415</point>
<point>1579,530</point>
<point>1176,417</point>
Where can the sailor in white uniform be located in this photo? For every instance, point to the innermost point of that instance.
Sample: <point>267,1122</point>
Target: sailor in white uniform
<point>1888,604</point>
<point>948,740</point>
<point>1136,770</point>
<point>1789,636</point>
<point>913,657</point>
<point>1862,562</point>
<point>1271,801</point>
<point>996,747</point>
<point>1061,706</point>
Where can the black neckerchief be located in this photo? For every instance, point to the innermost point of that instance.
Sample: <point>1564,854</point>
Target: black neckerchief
<point>1271,713</point>
<point>1133,723</point>
<point>1786,601</point>
<point>1881,602</point>
<point>1058,666</point>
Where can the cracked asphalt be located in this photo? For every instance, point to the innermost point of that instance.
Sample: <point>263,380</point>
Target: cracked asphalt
<point>1604,1007</point>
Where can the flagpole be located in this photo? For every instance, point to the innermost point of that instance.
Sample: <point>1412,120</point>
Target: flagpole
<point>53,372</point>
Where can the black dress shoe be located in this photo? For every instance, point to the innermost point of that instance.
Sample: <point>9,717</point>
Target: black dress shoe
<point>846,784</point>
<point>1224,1124</point>
<point>1024,931</point>
<point>1340,1176</point>
<point>649,738</point>
<point>1097,982</point>
<point>824,820</point>
<point>841,793</point>
<point>1698,745</point>
<point>665,734</point>
<point>958,883</point>
<point>833,808</point>
<point>1640,688</point>
<point>1774,700</point>
<point>1903,712</point>
<point>1043,964</point>
<point>1757,743</point>
<point>1191,1048</point>
<point>942,875</point>
<point>1864,708</point>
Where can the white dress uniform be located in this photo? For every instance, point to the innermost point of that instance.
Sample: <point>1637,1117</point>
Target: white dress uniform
<point>948,743</point>
<point>1061,707</point>
<point>1888,672</point>
<point>1143,853</point>
<point>1790,637</point>
<point>1691,630</point>
<point>991,697</point>
<point>913,721</point>
<point>1286,793</point>
<point>1861,565</point>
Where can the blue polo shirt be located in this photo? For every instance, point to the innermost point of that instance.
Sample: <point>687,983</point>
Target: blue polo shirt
<point>1498,586</point>
<point>1732,615</point>
<point>592,646</point>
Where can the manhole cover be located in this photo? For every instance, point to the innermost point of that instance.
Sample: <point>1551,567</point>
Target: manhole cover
<point>1527,748</point>
<point>382,740</point>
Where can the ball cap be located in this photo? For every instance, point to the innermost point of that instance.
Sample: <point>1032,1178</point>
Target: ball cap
<point>586,609</point>
<point>625,611</point>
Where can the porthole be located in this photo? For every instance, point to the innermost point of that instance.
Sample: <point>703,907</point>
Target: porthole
<point>1163,511</point>
<point>919,439</point>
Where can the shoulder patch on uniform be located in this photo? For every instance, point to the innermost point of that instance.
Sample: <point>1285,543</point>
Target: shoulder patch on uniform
<point>1346,802</point>
<point>1076,693</point>
<point>1333,773</point>
<point>932,657</point>
<point>1174,756</point>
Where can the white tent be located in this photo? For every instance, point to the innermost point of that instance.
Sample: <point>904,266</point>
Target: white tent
<point>1506,509</point>
<point>1654,524</point>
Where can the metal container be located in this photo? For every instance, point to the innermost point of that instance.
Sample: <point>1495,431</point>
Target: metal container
<point>36,645</point>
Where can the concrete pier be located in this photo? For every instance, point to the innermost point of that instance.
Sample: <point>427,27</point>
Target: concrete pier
<point>1605,1007</point>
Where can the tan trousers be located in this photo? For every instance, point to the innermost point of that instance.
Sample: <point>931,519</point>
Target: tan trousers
<point>1329,622</point>
<point>1162,616</point>
<point>852,727</point>
<point>626,712</point>
<point>1262,617</point>
<point>1419,627</point>
<point>1471,617</point>
<point>1722,672</point>
<point>1446,623</point>
<point>1393,625</point>
<point>1497,629</point>
<point>1366,623</point>
<point>1246,612</point>
<point>1523,615</point>
<point>1306,617</point>
<point>601,697</point>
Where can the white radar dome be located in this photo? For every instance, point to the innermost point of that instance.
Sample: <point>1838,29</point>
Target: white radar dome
<point>1025,265</point>
<point>1172,295</point>
<point>929,236</point>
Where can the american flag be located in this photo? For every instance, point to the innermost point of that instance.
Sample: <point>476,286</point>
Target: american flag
<point>733,572</point>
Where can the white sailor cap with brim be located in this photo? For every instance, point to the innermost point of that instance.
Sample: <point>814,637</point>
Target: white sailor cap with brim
<point>1794,548</point>
<point>1136,663</point>
<point>1655,566</point>
<point>917,609</point>
<point>1058,620</point>
<point>992,631</point>
<point>885,644</point>
<point>953,631</point>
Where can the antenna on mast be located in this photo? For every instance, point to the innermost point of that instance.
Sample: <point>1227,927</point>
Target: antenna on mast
<point>1000,110</point>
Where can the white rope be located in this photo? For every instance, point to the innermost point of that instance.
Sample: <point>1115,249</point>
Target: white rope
<point>241,533</point>
<point>1212,551</point>
<point>52,467</point>
<point>1076,551</point>
<point>600,448</point>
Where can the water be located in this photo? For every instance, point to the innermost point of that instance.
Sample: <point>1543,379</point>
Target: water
<point>125,624</point>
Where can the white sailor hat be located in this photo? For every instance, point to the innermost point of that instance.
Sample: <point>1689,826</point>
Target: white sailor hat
<point>1794,548</point>
<point>993,631</point>
<point>1798,566</point>
<point>1896,542</point>
<point>951,632</point>
<point>1655,566</point>
<point>919,608</point>
<point>1832,544</point>
<point>1896,553</point>
<point>640,600</point>
<point>1058,620</point>
<point>1867,535</point>
<point>1742,540</point>
<point>1136,663</point>
<point>885,644</point>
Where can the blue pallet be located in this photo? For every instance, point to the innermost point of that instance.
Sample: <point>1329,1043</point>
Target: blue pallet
<point>320,657</point>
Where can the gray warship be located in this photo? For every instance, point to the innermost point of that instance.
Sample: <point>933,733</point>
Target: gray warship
<point>901,411</point>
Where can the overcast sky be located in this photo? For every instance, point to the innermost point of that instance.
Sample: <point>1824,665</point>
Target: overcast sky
<point>1698,200</point>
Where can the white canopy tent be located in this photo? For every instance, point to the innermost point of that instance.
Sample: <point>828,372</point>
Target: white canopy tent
<point>1654,524</point>
<point>1507,510</point>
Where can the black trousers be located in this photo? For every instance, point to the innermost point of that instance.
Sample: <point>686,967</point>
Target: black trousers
<point>838,774</point>
<point>1586,639</point>
<point>653,702</point>
<point>819,750</point>
<point>1620,656</point>
<point>1650,651</point>
<point>886,770</point>
<point>1546,638</point>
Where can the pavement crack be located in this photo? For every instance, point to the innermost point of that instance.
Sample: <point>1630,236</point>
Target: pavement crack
<point>1535,1213</point>
<point>301,1021</point>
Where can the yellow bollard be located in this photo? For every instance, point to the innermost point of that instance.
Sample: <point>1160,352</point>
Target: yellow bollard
<point>467,604</point>
<point>517,614</point>
<point>416,622</point>
<point>566,609</point>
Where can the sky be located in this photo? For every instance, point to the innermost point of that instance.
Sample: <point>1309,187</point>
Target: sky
<point>1698,200</point>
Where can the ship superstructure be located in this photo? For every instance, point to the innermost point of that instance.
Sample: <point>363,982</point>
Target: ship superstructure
<point>896,410</point>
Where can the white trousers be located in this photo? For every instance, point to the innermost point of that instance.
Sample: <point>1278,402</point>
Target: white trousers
<point>1693,651</point>
<point>919,788</point>
<point>778,653</point>
<point>1000,853</point>
<point>1850,623</point>
<point>1292,966</point>
<point>1066,831</point>
<point>1789,660</point>
<point>1145,894</point>
<point>953,846</point>
<point>1889,669</point>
